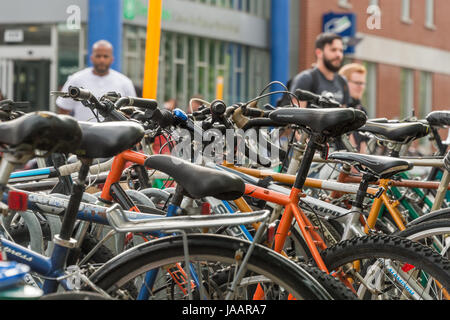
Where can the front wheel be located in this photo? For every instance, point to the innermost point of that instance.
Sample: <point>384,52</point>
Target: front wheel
<point>268,275</point>
<point>433,233</point>
<point>385,267</point>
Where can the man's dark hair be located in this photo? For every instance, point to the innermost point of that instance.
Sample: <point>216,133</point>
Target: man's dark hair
<point>326,38</point>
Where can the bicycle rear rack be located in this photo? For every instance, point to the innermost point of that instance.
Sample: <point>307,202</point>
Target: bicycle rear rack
<point>121,223</point>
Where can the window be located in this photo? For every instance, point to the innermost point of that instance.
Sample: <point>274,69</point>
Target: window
<point>425,94</point>
<point>190,66</point>
<point>369,99</point>
<point>429,14</point>
<point>134,53</point>
<point>260,8</point>
<point>68,53</point>
<point>425,104</point>
<point>406,11</point>
<point>25,34</point>
<point>407,86</point>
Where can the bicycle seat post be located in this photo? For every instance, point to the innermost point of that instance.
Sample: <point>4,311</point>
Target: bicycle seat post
<point>362,191</point>
<point>63,241</point>
<point>308,156</point>
<point>175,202</point>
<point>74,201</point>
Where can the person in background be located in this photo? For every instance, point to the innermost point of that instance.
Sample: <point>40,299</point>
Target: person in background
<point>171,104</point>
<point>356,75</point>
<point>98,79</point>
<point>324,78</point>
<point>195,103</point>
<point>2,97</point>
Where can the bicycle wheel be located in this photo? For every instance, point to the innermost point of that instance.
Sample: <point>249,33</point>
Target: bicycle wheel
<point>434,215</point>
<point>386,267</point>
<point>335,287</point>
<point>73,296</point>
<point>434,234</point>
<point>209,255</point>
<point>21,235</point>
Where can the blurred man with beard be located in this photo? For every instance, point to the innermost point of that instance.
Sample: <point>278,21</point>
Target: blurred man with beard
<point>324,78</point>
<point>98,79</point>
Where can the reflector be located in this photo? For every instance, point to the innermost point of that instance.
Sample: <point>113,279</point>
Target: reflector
<point>206,208</point>
<point>17,201</point>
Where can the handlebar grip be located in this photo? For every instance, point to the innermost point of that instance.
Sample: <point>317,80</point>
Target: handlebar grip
<point>253,112</point>
<point>79,93</point>
<point>203,112</point>
<point>115,115</point>
<point>148,104</point>
<point>261,122</point>
<point>200,117</point>
<point>163,117</point>
<point>304,95</point>
<point>218,107</point>
<point>322,101</point>
<point>143,103</point>
<point>138,115</point>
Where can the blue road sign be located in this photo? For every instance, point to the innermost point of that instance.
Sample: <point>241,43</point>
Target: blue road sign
<point>343,24</point>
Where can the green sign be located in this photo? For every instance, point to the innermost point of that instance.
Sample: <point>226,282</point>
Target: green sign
<point>133,8</point>
<point>129,9</point>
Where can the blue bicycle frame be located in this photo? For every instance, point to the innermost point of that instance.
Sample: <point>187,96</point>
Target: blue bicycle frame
<point>52,267</point>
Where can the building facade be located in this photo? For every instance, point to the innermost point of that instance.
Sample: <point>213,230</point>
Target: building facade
<point>202,41</point>
<point>405,45</point>
<point>407,54</point>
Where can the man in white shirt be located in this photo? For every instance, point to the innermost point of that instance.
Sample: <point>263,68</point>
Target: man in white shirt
<point>98,79</point>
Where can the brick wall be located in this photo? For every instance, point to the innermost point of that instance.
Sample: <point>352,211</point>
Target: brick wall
<point>391,25</point>
<point>388,91</point>
<point>441,96</point>
<point>388,76</point>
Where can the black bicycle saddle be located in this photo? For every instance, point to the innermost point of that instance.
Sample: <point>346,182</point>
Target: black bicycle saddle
<point>43,130</point>
<point>330,122</point>
<point>399,132</point>
<point>439,118</point>
<point>198,181</point>
<point>381,166</point>
<point>107,139</point>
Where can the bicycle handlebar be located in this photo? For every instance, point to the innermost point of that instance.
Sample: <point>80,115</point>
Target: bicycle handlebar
<point>245,123</point>
<point>148,104</point>
<point>319,100</point>
<point>106,108</point>
<point>77,93</point>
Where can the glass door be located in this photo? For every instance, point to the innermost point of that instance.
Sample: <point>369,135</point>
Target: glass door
<point>32,83</point>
